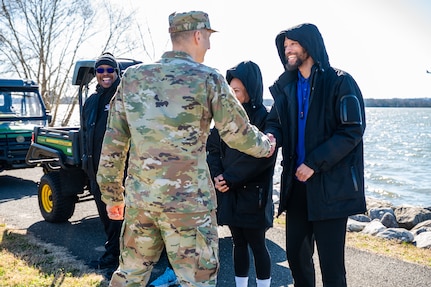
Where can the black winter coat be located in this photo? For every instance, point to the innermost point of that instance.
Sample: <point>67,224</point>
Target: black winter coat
<point>93,126</point>
<point>248,203</point>
<point>333,134</point>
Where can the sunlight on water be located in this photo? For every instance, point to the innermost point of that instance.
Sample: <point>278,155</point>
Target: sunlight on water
<point>397,147</point>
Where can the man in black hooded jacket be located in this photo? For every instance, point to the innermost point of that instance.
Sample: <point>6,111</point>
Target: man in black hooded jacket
<point>318,118</point>
<point>94,119</point>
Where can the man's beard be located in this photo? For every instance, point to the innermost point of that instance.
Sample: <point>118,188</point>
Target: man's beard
<point>294,66</point>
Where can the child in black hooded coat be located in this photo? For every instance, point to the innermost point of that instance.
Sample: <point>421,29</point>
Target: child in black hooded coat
<point>244,183</point>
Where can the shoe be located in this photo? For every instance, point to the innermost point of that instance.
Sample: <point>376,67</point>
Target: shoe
<point>107,274</point>
<point>107,261</point>
<point>167,279</point>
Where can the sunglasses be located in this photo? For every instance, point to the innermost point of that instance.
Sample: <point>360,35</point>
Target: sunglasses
<point>102,70</point>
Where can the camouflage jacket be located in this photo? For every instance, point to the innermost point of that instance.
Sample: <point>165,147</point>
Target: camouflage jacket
<point>161,114</point>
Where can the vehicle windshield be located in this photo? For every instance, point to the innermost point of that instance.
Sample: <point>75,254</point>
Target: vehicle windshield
<point>20,104</point>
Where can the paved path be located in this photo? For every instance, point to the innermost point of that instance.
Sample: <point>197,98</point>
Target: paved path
<point>83,237</point>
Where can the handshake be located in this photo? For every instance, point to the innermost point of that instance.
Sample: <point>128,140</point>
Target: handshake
<point>273,142</point>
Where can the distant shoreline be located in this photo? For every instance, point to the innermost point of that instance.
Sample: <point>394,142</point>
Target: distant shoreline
<point>394,102</point>
<point>399,103</point>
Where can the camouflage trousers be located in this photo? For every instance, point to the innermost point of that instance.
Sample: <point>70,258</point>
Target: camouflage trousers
<point>190,239</point>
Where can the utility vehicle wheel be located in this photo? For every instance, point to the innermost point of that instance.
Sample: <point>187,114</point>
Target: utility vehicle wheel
<point>54,206</point>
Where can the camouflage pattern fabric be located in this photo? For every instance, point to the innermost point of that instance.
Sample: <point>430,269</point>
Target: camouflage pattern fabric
<point>191,245</point>
<point>163,112</point>
<point>193,20</point>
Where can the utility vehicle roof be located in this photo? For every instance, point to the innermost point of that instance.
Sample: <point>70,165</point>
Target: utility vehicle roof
<point>14,83</point>
<point>84,69</point>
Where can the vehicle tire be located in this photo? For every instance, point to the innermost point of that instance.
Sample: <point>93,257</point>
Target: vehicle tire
<point>54,206</point>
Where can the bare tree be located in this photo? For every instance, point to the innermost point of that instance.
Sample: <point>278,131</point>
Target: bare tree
<point>42,39</point>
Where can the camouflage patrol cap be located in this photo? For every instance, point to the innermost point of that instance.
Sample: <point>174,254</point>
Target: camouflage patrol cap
<point>187,21</point>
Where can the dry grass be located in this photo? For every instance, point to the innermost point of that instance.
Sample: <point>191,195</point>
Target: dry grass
<point>391,248</point>
<point>26,262</point>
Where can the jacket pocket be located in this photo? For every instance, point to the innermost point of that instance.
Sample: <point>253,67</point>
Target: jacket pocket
<point>250,198</point>
<point>341,184</point>
<point>208,260</point>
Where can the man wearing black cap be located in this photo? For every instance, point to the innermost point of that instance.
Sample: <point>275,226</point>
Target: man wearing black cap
<point>94,118</point>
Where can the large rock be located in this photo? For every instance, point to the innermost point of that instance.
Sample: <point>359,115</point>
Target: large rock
<point>379,212</point>
<point>423,224</point>
<point>423,240</point>
<point>409,216</point>
<point>355,226</point>
<point>399,234</point>
<point>360,218</point>
<point>377,203</point>
<point>374,227</point>
<point>389,220</point>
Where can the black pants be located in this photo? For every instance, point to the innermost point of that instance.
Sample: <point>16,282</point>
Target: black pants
<point>301,235</point>
<point>255,238</point>
<point>112,227</point>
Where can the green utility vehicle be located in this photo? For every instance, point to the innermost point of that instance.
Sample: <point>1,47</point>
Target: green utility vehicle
<point>21,109</point>
<point>58,151</point>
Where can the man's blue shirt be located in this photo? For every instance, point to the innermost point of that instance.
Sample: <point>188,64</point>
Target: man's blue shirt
<point>303,95</point>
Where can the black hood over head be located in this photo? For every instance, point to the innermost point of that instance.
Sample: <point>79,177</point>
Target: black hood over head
<point>250,75</point>
<point>309,38</point>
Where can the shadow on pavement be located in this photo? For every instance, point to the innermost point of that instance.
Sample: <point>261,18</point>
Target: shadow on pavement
<point>83,238</point>
<point>13,188</point>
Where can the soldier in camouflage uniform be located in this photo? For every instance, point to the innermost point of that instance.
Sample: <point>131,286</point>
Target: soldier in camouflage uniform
<point>162,112</point>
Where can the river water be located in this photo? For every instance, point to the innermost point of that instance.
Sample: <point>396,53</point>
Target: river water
<point>397,151</point>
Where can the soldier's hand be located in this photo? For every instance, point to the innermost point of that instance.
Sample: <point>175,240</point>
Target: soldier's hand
<point>273,142</point>
<point>115,212</point>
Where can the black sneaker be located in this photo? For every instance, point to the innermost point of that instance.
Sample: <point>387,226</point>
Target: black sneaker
<point>107,261</point>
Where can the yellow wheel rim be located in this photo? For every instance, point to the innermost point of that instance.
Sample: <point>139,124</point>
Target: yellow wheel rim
<point>46,198</point>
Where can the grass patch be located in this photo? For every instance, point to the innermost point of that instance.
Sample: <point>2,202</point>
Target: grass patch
<point>391,248</point>
<point>27,262</point>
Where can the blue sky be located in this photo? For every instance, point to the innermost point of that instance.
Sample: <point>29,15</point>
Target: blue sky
<point>384,44</point>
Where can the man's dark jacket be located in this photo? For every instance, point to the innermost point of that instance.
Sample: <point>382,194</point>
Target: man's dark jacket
<point>248,203</point>
<point>333,133</point>
<point>94,119</point>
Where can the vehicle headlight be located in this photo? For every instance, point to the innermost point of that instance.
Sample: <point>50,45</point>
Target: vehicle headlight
<point>20,139</point>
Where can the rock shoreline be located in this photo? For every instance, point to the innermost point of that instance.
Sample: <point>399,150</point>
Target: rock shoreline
<point>410,224</point>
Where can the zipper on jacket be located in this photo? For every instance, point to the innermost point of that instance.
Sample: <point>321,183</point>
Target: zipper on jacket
<point>260,196</point>
<point>355,180</point>
<point>312,86</point>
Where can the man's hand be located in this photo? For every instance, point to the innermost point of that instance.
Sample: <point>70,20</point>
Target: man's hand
<point>115,212</point>
<point>273,141</point>
<point>303,173</point>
